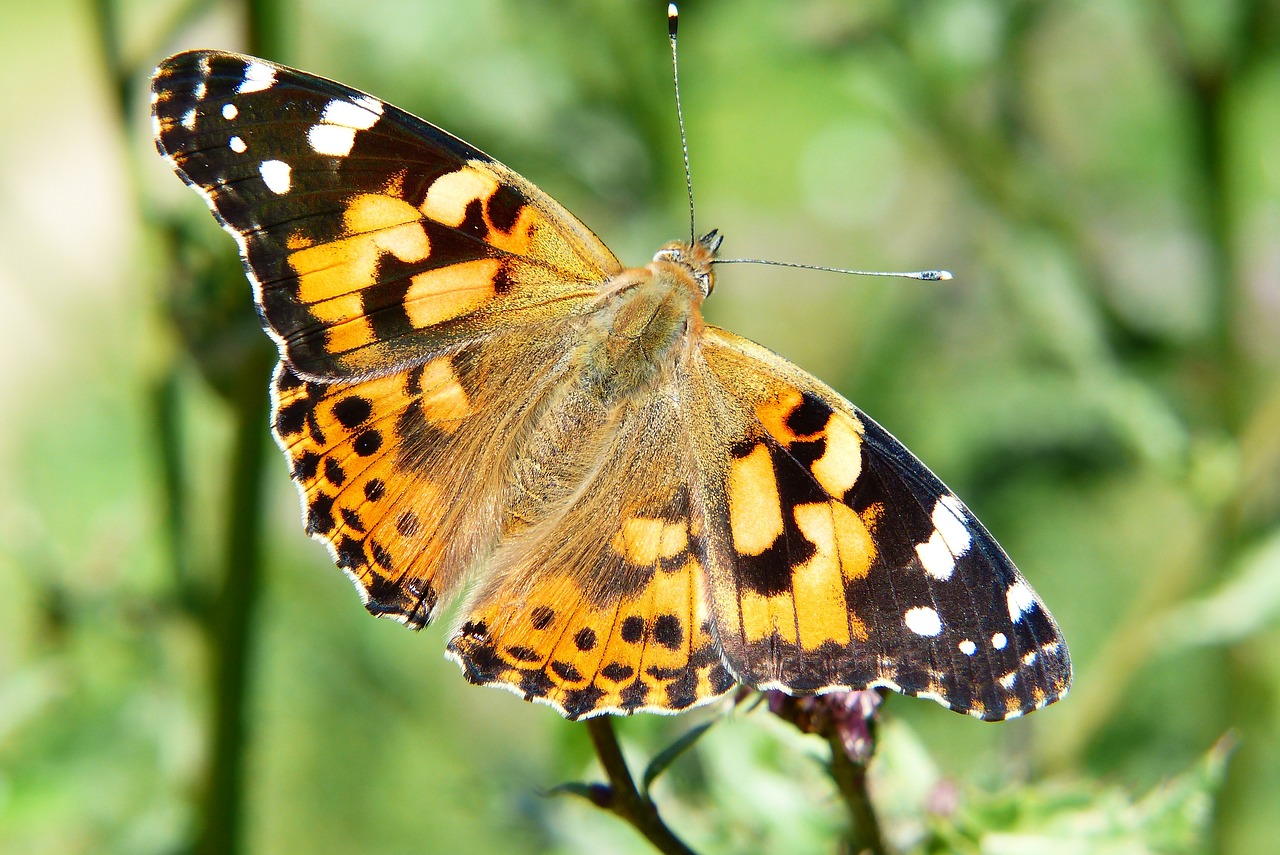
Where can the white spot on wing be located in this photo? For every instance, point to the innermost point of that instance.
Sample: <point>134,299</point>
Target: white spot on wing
<point>276,175</point>
<point>333,140</point>
<point>200,91</point>
<point>189,119</point>
<point>967,647</point>
<point>998,641</point>
<point>923,620</point>
<point>1008,680</point>
<point>257,77</point>
<point>229,111</point>
<point>237,145</point>
<point>372,104</point>
<point>936,557</point>
<point>1021,599</point>
<point>948,519</point>
<point>1029,659</point>
<point>350,115</point>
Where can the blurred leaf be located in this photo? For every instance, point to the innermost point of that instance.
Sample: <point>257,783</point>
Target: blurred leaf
<point>1082,817</point>
<point>664,758</point>
<point>1244,604</point>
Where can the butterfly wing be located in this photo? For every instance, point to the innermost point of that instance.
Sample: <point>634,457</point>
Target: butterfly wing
<point>739,520</point>
<point>401,474</point>
<point>383,252</point>
<point>744,523</point>
<point>841,561</point>
<point>602,604</point>
<point>373,239</point>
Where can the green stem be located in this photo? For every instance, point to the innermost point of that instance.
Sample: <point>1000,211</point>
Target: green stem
<point>850,777</point>
<point>624,799</point>
<point>231,630</point>
<point>173,478</point>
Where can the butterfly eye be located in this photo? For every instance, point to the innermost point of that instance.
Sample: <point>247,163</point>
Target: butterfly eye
<point>706,283</point>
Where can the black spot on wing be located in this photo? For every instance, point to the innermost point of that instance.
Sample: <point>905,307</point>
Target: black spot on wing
<point>504,208</point>
<point>381,556</point>
<point>810,416</point>
<point>632,629</point>
<point>566,672</point>
<point>352,411</point>
<point>523,654</point>
<point>407,524</point>
<point>367,443</point>
<point>585,639</point>
<point>634,695</point>
<point>320,514</point>
<point>769,572</point>
<point>617,672</point>
<point>351,520</point>
<point>307,465</point>
<point>536,683</point>
<point>291,418</point>
<point>578,702</point>
<point>668,631</point>
<point>542,617</point>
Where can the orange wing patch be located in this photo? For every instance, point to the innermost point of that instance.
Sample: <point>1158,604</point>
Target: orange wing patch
<point>473,255</point>
<point>795,547</point>
<point>650,651</point>
<point>601,604</point>
<point>801,544</point>
<point>353,449</point>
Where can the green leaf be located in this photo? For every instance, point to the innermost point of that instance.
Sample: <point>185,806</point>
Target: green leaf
<point>1242,605</point>
<point>668,755</point>
<point>1068,817</point>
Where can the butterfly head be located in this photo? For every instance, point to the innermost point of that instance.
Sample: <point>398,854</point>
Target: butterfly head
<point>696,258</point>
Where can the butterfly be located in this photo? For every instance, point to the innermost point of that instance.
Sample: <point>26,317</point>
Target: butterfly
<point>645,510</point>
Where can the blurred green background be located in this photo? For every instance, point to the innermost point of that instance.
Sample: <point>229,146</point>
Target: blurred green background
<point>1101,383</point>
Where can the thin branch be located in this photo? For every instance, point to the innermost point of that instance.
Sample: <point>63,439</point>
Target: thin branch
<point>222,811</point>
<point>623,799</point>
<point>221,818</point>
<point>850,777</point>
<point>848,726</point>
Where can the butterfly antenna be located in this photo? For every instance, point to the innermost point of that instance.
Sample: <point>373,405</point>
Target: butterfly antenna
<point>673,21</point>
<point>923,275</point>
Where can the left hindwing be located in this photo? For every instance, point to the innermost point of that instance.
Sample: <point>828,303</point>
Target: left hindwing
<point>841,561</point>
<point>374,240</point>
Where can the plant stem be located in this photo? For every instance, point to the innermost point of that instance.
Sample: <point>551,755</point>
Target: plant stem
<point>221,814</point>
<point>851,780</point>
<point>625,800</point>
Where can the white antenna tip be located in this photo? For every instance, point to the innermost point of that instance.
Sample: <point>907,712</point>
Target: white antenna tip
<point>672,11</point>
<point>943,275</point>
